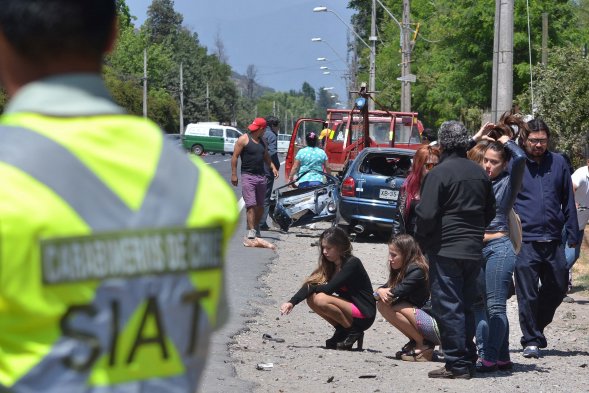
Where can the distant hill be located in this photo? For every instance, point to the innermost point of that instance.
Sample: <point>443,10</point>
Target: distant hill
<point>241,82</point>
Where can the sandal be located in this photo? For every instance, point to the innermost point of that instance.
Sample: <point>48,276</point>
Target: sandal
<point>406,348</point>
<point>425,355</point>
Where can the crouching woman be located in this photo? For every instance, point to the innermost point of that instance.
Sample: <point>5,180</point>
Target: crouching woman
<point>405,293</point>
<point>353,309</point>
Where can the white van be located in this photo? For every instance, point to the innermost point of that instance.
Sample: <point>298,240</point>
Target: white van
<point>210,137</point>
<point>283,142</point>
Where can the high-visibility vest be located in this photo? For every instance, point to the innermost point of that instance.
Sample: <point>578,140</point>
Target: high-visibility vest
<point>111,252</point>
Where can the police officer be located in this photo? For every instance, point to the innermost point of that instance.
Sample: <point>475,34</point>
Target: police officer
<point>111,249</point>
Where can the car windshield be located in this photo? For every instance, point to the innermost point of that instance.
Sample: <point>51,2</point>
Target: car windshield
<point>386,165</point>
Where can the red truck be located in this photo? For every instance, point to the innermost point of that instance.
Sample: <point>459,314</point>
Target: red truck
<point>350,134</point>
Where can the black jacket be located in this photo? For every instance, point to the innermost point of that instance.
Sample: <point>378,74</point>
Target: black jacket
<point>351,283</point>
<point>413,289</point>
<point>457,203</point>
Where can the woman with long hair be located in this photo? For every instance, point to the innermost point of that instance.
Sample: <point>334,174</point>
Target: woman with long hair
<point>498,252</point>
<point>353,309</point>
<point>400,300</point>
<point>425,158</point>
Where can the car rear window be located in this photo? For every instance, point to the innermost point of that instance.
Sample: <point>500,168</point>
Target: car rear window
<point>386,165</point>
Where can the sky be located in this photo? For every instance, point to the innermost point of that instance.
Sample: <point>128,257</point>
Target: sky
<point>273,35</point>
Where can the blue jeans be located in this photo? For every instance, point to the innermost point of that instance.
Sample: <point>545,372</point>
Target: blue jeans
<point>453,291</point>
<point>492,323</point>
<point>572,253</point>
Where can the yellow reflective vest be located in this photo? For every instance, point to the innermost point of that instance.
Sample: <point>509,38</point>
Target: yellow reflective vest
<point>111,256</point>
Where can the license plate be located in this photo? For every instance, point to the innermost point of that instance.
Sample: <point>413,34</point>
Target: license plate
<point>391,195</point>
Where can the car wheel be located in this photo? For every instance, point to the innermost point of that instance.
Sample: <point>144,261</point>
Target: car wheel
<point>198,150</point>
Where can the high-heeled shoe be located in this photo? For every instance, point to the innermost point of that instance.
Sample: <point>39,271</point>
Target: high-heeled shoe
<point>352,337</point>
<point>339,335</point>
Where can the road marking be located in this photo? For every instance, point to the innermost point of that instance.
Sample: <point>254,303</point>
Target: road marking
<point>215,162</point>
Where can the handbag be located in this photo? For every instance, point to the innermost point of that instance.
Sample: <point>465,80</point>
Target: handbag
<point>515,230</point>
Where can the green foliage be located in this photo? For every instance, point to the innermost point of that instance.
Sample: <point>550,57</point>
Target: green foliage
<point>561,96</point>
<point>453,53</point>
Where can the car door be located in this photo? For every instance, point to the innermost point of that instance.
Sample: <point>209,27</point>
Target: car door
<point>231,137</point>
<point>298,139</point>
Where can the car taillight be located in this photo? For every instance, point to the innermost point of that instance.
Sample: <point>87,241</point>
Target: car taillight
<point>348,187</point>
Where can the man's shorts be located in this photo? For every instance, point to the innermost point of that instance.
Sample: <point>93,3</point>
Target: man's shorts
<point>253,189</point>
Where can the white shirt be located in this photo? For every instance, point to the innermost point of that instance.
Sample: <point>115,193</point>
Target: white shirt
<point>581,183</point>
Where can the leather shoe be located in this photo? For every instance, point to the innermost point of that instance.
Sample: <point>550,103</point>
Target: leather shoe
<point>449,374</point>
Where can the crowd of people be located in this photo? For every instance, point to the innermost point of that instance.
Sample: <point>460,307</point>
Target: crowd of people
<point>454,258</point>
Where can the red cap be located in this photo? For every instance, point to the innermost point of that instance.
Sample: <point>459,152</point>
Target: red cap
<point>258,124</point>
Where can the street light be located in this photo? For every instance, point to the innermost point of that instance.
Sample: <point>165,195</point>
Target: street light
<point>323,68</point>
<point>321,59</point>
<point>319,39</point>
<point>326,72</point>
<point>373,38</point>
<point>327,88</point>
<point>325,9</point>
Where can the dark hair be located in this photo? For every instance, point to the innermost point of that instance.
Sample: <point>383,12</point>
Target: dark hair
<point>272,121</point>
<point>499,148</point>
<point>325,270</point>
<point>428,135</point>
<point>509,124</point>
<point>43,29</point>
<point>311,139</point>
<point>411,253</point>
<point>534,125</point>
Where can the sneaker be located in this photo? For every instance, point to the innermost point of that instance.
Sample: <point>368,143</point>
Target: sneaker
<point>531,351</point>
<point>568,299</point>
<point>251,234</point>
<point>447,374</point>
<point>504,365</point>
<point>264,227</point>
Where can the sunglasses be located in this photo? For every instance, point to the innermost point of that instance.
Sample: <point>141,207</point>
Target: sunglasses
<point>429,165</point>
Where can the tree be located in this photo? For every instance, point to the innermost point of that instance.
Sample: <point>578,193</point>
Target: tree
<point>220,48</point>
<point>308,91</point>
<point>561,95</point>
<point>162,21</point>
<point>452,56</point>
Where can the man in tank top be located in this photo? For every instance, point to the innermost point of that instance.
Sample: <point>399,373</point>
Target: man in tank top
<point>253,153</point>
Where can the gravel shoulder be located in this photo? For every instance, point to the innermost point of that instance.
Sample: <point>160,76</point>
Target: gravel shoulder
<point>300,364</point>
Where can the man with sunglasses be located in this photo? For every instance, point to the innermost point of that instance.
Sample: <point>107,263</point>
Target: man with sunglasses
<point>545,205</point>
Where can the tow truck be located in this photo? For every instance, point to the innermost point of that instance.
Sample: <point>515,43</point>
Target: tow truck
<point>351,130</point>
<point>355,129</point>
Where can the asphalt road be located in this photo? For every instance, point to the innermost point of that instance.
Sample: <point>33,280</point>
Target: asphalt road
<point>242,269</point>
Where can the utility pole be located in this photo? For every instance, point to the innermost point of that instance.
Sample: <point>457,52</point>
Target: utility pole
<point>181,101</point>
<point>372,39</point>
<point>145,82</point>
<point>502,89</point>
<point>208,108</point>
<point>405,60</point>
<point>544,39</point>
